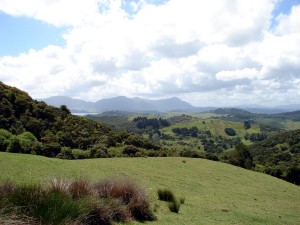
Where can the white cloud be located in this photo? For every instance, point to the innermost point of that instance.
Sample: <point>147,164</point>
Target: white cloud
<point>205,51</point>
<point>289,23</point>
<point>247,73</point>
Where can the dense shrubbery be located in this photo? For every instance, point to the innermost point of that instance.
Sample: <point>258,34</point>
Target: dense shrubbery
<point>193,131</point>
<point>154,123</point>
<point>28,126</point>
<point>279,155</point>
<point>77,202</point>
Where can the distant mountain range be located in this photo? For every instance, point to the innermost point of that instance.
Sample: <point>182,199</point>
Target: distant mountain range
<point>122,103</point>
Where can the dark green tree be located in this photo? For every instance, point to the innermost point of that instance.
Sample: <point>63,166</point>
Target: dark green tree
<point>241,157</point>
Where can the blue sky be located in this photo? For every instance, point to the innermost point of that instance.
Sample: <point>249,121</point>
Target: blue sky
<point>205,52</point>
<point>20,33</point>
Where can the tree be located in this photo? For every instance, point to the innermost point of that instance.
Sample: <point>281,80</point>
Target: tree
<point>230,131</point>
<point>241,157</point>
<point>5,135</point>
<point>65,109</point>
<point>247,125</point>
<point>14,145</point>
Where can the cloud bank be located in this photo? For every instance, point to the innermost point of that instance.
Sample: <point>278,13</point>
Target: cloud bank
<point>206,52</point>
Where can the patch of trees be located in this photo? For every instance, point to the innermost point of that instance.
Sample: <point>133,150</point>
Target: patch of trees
<point>230,131</point>
<point>256,137</point>
<point>193,131</point>
<point>154,123</point>
<point>241,157</point>
<point>279,155</point>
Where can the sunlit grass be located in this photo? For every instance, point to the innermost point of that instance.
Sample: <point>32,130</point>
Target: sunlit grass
<point>215,193</point>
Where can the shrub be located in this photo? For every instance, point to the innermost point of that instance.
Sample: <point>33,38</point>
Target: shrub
<point>99,151</point>
<point>190,153</point>
<point>165,195</point>
<point>15,145</point>
<point>131,150</point>
<point>81,154</point>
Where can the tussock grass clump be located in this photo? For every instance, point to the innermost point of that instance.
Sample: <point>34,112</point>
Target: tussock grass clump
<point>80,188</point>
<point>129,194</point>
<point>174,206</point>
<point>165,195</point>
<point>168,196</point>
<point>77,202</point>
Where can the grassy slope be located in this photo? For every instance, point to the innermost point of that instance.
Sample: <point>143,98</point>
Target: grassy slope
<point>216,127</point>
<point>215,193</point>
<point>279,123</point>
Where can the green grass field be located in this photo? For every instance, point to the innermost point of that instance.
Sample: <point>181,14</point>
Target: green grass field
<point>215,193</point>
<point>215,126</point>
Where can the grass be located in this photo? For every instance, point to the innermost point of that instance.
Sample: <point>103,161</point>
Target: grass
<point>215,193</point>
<point>215,126</point>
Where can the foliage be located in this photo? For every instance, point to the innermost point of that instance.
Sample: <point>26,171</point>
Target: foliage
<point>241,157</point>
<point>280,155</point>
<point>247,125</point>
<point>230,131</point>
<point>28,126</point>
<point>193,131</point>
<point>144,122</point>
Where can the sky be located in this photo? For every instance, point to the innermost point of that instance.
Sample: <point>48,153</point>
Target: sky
<point>208,53</point>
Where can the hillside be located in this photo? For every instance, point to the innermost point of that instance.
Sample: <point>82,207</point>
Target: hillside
<point>28,126</point>
<point>279,155</point>
<point>215,193</point>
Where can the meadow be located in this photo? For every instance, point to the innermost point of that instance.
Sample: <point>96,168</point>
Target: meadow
<point>214,192</point>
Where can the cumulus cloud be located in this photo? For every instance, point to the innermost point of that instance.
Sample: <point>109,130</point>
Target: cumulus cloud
<point>207,52</point>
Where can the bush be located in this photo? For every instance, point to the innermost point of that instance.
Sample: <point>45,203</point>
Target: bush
<point>99,151</point>
<point>81,154</point>
<point>190,153</point>
<point>131,150</point>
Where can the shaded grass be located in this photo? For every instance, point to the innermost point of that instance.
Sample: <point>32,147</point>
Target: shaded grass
<point>215,193</point>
